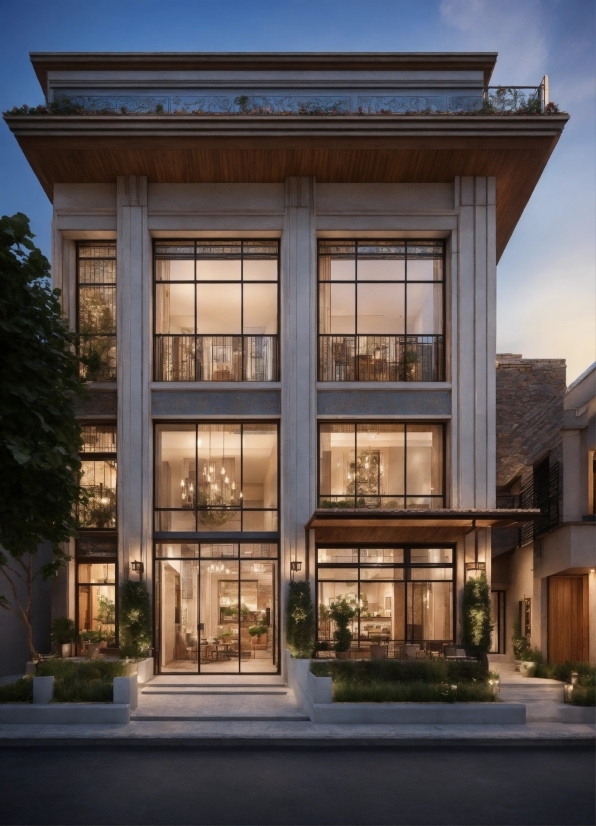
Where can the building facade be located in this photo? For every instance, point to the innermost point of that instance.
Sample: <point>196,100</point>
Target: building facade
<point>282,269</point>
<point>543,573</point>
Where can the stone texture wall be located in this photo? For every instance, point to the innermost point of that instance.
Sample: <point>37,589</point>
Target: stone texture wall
<point>530,395</point>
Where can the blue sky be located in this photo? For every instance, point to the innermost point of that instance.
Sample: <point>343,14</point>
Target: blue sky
<point>547,284</point>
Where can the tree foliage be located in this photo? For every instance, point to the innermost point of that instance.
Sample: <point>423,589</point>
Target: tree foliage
<point>135,619</point>
<point>477,626</point>
<point>39,434</point>
<point>300,621</point>
<point>342,611</point>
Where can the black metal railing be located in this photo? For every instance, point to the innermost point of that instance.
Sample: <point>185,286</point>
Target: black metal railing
<point>381,358</point>
<point>216,358</point>
<point>541,491</point>
<point>393,649</point>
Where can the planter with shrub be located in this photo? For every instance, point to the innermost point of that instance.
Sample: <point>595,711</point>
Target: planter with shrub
<point>63,634</point>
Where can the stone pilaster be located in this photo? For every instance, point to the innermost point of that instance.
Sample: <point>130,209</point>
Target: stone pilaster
<point>298,374</point>
<point>133,372</point>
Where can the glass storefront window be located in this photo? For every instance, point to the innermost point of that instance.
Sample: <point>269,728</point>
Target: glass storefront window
<point>217,614</point>
<point>216,477</point>
<point>97,599</point>
<point>402,595</point>
<point>381,465</point>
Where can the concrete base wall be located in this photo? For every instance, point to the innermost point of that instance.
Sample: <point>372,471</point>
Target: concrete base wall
<point>576,714</point>
<point>314,695</point>
<point>61,713</point>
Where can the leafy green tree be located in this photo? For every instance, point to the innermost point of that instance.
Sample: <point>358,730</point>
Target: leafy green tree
<point>39,434</point>
<point>477,626</point>
<point>135,619</point>
<point>300,622</point>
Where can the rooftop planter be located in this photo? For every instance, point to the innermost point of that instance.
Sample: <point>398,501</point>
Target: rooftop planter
<point>497,101</point>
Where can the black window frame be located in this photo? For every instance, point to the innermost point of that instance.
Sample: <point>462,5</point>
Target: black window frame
<point>406,566</point>
<point>403,374</point>
<point>213,536</point>
<point>442,497</point>
<point>158,370</point>
<point>111,369</point>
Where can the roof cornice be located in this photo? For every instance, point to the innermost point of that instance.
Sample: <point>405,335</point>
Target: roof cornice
<point>44,62</point>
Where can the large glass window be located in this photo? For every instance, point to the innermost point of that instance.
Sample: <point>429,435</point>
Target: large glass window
<point>216,607</point>
<point>96,309</point>
<point>216,477</point>
<point>400,595</point>
<point>373,465</point>
<point>216,316</point>
<point>97,543</point>
<point>381,315</point>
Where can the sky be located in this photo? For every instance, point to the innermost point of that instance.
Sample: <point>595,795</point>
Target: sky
<point>546,302</point>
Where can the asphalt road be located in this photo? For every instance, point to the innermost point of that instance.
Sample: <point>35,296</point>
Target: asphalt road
<point>264,785</point>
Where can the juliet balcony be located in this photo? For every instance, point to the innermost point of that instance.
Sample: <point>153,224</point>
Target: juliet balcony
<point>216,358</point>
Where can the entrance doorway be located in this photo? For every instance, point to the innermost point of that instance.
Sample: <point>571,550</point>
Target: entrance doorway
<point>568,618</point>
<point>217,609</point>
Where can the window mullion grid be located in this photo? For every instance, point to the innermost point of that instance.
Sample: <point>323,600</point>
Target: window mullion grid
<point>243,376</point>
<point>356,339</point>
<point>405,359</point>
<point>196,336</point>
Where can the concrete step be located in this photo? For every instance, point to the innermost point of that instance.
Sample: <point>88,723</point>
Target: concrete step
<point>244,718</point>
<point>522,693</point>
<point>235,692</point>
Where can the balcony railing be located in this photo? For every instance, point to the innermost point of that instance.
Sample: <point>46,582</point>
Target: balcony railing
<point>381,358</point>
<point>216,358</point>
<point>536,493</point>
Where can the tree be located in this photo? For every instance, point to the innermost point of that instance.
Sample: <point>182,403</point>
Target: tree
<point>300,622</point>
<point>135,619</point>
<point>342,611</point>
<point>39,434</point>
<point>477,626</point>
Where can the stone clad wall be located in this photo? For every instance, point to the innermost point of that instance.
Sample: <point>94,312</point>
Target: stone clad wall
<point>530,394</point>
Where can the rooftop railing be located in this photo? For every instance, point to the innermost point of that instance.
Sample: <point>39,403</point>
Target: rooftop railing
<point>473,100</point>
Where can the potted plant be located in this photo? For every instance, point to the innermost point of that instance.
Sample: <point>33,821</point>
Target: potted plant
<point>63,634</point>
<point>258,634</point>
<point>342,611</point>
<point>520,644</point>
<point>378,651</point>
<point>93,641</point>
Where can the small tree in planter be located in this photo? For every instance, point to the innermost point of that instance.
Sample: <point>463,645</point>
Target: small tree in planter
<point>135,619</point>
<point>342,611</point>
<point>300,625</point>
<point>63,634</point>
<point>477,627</point>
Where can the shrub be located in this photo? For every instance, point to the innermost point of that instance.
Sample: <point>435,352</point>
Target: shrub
<point>412,692</point>
<point>341,611</point>
<point>83,682</point>
<point>392,671</point>
<point>582,696</point>
<point>520,643</point>
<point>477,626</point>
<point>135,619</point>
<point>562,671</point>
<point>20,691</point>
<point>63,631</point>
<point>300,626</point>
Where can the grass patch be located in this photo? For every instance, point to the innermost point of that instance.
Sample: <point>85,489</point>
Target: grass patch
<point>20,691</point>
<point>85,682</point>
<point>421,681</point>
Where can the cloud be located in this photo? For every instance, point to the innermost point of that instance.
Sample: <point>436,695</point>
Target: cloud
<point>517,31</point>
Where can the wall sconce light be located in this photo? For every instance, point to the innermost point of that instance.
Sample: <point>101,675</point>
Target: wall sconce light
<point>137,567</point>
<point>295,565</point>
<point>475,568</point>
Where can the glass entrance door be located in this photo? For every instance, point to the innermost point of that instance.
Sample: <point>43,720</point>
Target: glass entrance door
<point>217,611</point>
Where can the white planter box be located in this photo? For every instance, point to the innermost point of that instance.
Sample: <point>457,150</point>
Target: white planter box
<point>576,714</point>
<point>314,695</point>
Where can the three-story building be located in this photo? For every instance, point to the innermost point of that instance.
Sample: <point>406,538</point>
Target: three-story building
<point>282,268</point>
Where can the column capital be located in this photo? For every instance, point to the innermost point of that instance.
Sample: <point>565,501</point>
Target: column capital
<point>132,190</point>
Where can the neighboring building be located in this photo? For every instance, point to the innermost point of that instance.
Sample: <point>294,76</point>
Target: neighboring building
<point>283,271</point>
<point>543,574</point>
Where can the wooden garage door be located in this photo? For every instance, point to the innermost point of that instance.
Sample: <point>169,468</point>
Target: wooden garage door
<point>567,618</point>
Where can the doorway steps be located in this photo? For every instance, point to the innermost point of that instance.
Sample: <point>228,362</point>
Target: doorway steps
<point>541,698</point>
<point>214,700</point>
